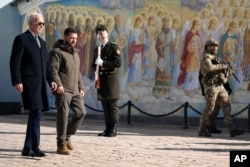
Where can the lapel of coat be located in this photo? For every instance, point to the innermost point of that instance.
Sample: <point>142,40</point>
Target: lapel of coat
<point>33,40</point>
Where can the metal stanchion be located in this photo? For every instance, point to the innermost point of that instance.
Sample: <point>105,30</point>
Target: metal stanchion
<point>185,126</point>
<point>129,113</point>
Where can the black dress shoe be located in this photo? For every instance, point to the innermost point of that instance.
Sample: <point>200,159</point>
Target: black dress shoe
<point>37,154</point>
<point>25,153</point>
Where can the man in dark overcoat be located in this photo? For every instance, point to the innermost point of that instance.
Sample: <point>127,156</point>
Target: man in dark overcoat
<point>29,71</point>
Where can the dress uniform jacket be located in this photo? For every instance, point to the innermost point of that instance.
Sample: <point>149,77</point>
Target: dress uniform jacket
<point>108,73</point>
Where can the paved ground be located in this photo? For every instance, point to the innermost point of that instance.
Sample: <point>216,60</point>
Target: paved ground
<point>138,145</point>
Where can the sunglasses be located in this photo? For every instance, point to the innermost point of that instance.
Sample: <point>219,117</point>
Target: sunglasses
<point>40,23</point>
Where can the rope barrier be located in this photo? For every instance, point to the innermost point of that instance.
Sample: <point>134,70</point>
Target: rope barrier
<point>153,115</point>
<point>186,105</point>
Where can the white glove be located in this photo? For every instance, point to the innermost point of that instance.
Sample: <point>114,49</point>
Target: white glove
<point>99,61</point>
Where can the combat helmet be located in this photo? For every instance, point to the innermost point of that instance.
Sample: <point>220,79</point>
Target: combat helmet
<point>211,42</point>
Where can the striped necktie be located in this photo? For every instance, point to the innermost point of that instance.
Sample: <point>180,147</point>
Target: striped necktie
<point>37,40</point>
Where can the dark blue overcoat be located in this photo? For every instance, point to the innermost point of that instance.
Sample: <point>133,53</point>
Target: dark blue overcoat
<point>29,66</point>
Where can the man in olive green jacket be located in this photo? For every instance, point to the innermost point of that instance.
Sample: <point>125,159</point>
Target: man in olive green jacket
<point>65,62</point>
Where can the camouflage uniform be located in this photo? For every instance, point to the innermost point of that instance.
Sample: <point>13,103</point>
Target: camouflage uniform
<point>211,123</point>
<point>216,96</point>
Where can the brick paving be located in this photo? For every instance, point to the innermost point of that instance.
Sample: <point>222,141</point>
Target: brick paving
<point>137,145</point>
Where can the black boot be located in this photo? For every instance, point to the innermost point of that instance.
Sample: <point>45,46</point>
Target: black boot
<point>113,131</point>
<point>106,131</point>
<point>203,131</point>
<point>204,134</point>
<point>213,129</point>
<point>236,132</point>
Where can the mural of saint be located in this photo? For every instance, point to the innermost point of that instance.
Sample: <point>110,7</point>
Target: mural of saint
<point>190,59</point>
<point>175,53</point>
<point>136,51</point>
<point>228,51</point>
<point>164,44</point>
<point>150,51</point>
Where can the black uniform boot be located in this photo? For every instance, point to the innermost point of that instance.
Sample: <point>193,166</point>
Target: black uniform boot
<point>106,131</point>
<point>213,129</point>
<point>113,131</point>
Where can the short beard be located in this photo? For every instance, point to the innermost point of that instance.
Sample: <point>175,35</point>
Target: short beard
<point>213,52</point>
<point>69,44</point>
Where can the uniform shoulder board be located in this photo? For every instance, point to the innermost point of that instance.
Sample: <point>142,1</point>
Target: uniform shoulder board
<point>113,43</point>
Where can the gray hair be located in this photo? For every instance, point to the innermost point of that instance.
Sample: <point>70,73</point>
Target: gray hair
<point>33,17</point>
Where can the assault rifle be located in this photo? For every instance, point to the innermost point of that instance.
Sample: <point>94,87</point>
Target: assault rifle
<point>229,67</point>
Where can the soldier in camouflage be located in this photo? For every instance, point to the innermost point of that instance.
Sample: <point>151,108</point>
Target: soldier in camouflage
<point>215,76</point>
